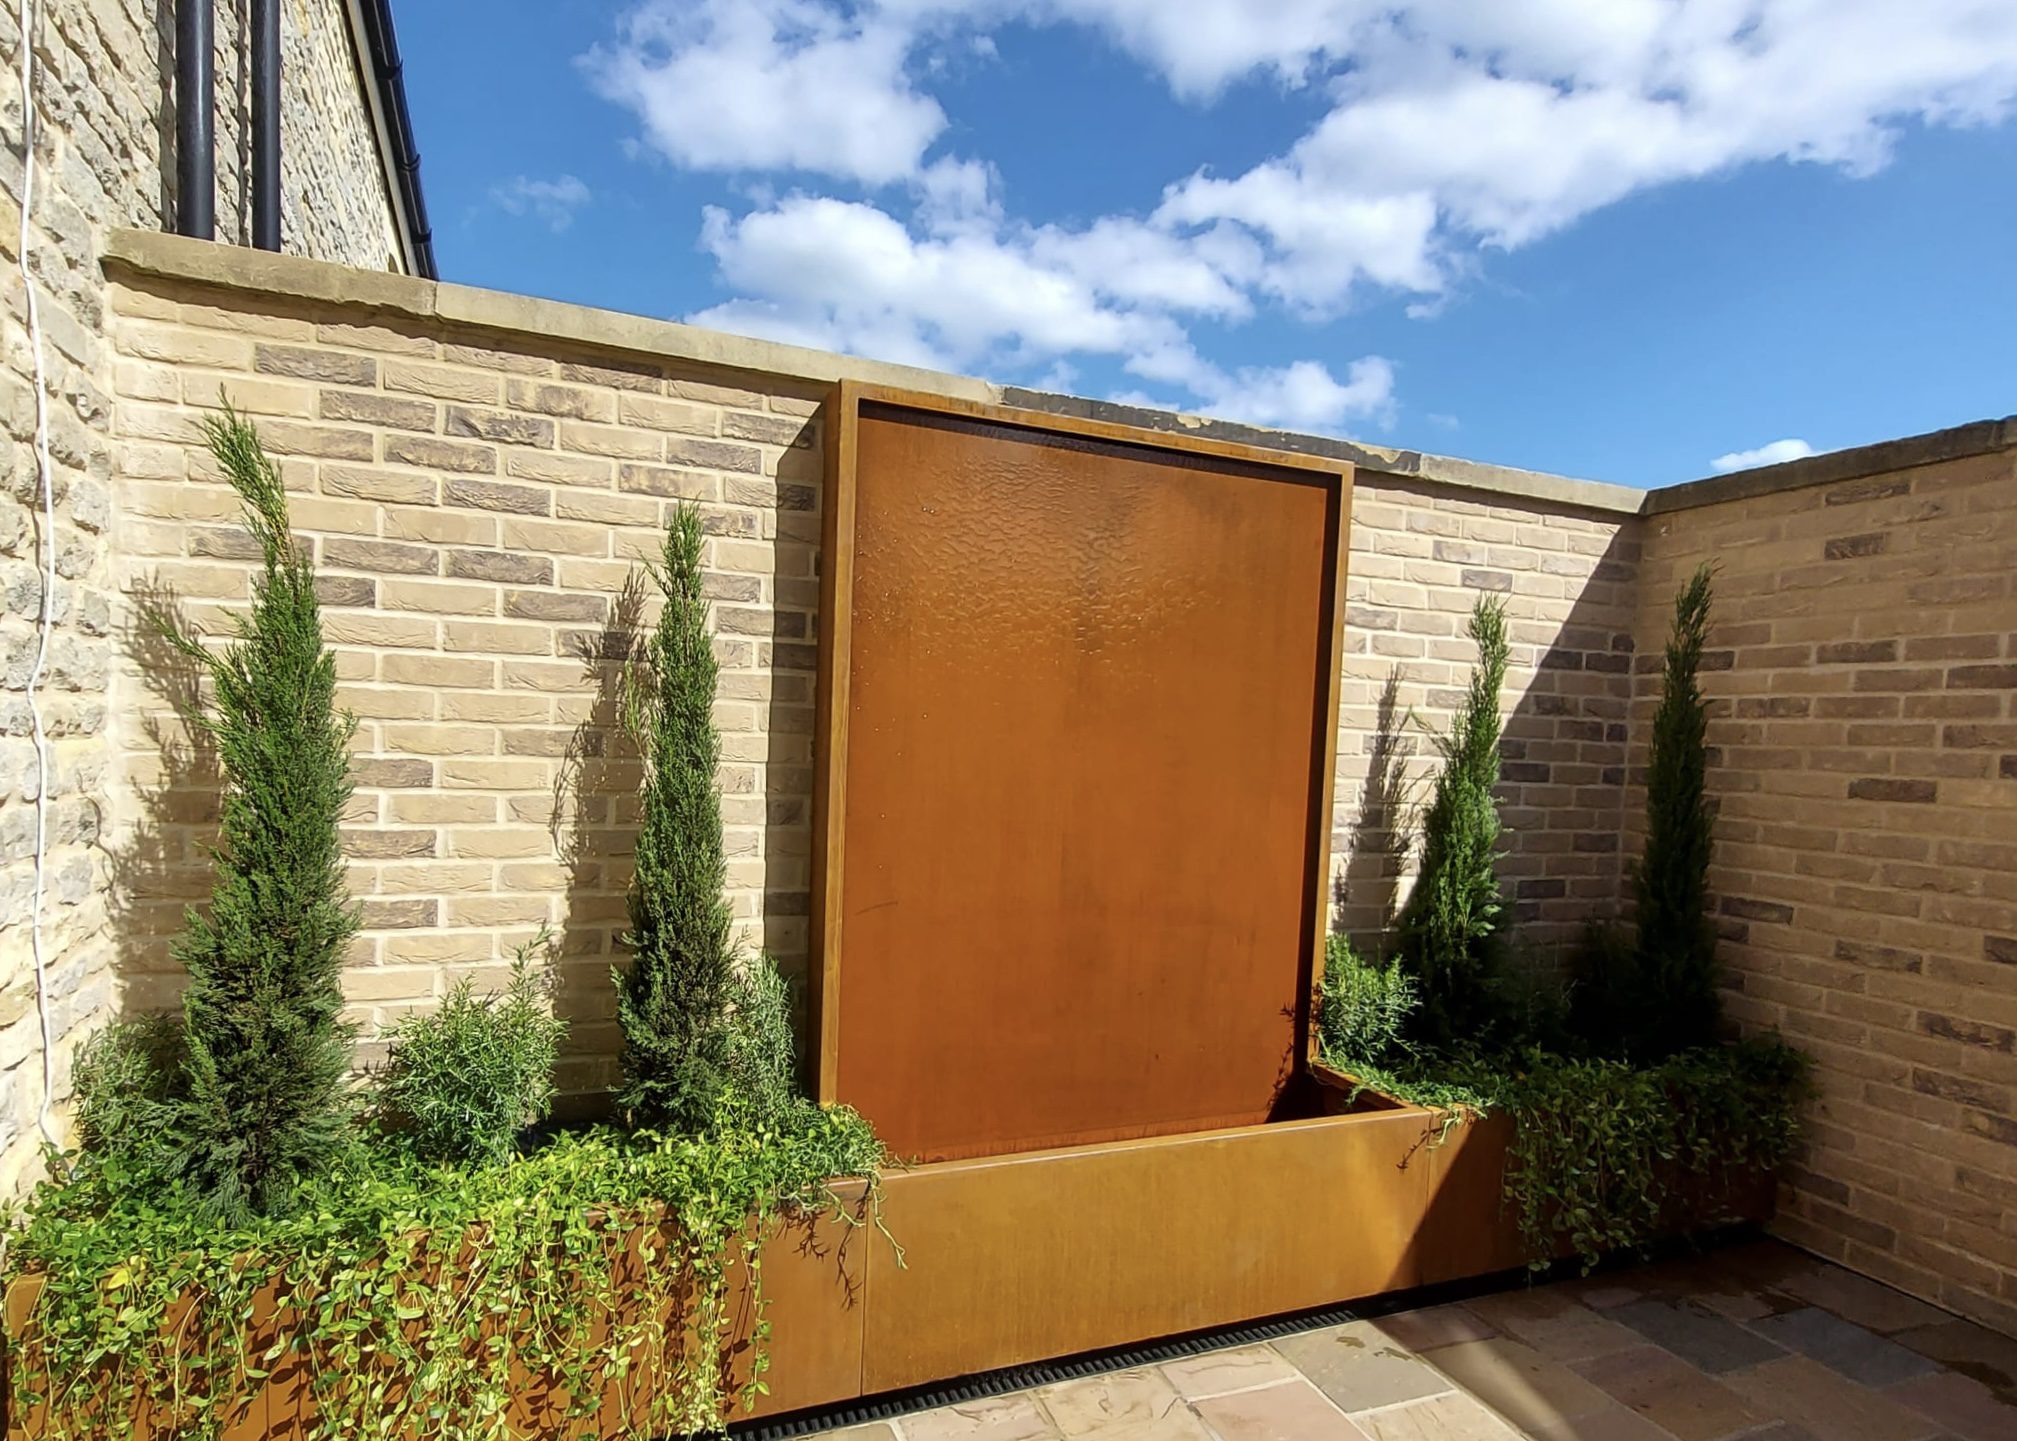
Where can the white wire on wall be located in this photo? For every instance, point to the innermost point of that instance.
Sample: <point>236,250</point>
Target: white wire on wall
<point>45,551</point>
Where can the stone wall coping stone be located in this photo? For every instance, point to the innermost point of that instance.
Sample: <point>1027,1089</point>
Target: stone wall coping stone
<point>175,257</point>
<point>1980,437</point>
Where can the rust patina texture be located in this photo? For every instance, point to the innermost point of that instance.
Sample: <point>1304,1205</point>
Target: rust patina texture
<point>1086,750</point>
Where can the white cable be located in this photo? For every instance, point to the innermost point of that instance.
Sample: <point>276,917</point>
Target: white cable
<point>45,551</point>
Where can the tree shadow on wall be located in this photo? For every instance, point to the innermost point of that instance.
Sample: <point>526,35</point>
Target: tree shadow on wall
<point>162,864</point>
<point>1366,896</point>
<point>593,824</point>
<point>790,723</point>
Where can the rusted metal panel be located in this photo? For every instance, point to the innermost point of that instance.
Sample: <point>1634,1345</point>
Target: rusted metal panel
<point>1078,743</point>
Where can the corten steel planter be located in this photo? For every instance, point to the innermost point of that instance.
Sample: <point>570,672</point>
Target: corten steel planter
<point>1018,1258</point>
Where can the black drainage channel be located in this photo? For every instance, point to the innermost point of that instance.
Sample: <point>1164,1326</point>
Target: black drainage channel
<point>1122,1358</point>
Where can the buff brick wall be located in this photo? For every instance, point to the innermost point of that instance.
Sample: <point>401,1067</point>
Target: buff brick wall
<point>475,513</point>
<point>1864,664</point>
<point>104,161</point>
<point>1420,556</point>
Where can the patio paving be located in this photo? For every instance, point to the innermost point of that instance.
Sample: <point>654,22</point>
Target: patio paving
<point>1758,1341</point>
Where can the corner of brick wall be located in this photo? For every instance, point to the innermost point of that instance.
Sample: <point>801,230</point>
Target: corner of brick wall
<point>1863,664</point>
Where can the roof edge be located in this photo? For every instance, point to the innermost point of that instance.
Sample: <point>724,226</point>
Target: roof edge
<point>377,48</point>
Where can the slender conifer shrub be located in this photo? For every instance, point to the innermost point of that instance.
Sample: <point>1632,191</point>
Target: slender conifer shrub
<point>264,1103</point>
<point>1675,952</point>
<point>1445,935</point>
<point>675,998</point>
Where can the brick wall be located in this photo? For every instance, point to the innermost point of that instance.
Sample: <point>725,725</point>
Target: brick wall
<point>476,513</point>
<point>1420,555</point>
<point>104,160</point>
<point>1866,868</point>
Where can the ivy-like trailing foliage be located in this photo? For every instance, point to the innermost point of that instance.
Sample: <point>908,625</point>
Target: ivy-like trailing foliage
<point>263,1102</point>
<point>415,1300</point>
<point>1446,932</point>
<point>675,999</point>
<point>1675,950</point>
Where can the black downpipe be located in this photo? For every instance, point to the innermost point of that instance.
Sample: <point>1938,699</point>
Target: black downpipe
<point>266,124</point>
<point>383,46</point>
<point>195,121</point>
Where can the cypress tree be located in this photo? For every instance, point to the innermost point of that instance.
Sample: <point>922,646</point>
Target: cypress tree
<point>1445,932</point>
<point>674,1000</point>
<point>266,1055</point>
<point>1675,949</point>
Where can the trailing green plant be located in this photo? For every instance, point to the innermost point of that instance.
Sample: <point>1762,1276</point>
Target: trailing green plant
<point>1446,935</point>
<point>263,1104</point>
<point>416,1300</point>
<point>676,997</point>
<point>1607,1155</point>
<point>1363,1008</point>
<point>1675,955</point>
<point>466,1079</point>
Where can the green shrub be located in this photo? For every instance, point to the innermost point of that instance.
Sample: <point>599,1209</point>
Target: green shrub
<point>675,999</point>
<point>1364,1007</point>
<point>125,1077</point>
<point>762,1050</point>
<point>266,1057</point>
<point>1446,936</point>
<point>1675,954</point>
<point>465,1080</point>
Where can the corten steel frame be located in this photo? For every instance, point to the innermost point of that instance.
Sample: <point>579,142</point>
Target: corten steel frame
<point>1223,469</point>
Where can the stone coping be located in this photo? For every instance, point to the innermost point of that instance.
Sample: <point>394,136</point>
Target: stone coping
<point>202,262</point>
<point>1981,437</point>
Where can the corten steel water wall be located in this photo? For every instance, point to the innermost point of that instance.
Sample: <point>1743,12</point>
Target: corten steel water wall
<point>1077,752</point>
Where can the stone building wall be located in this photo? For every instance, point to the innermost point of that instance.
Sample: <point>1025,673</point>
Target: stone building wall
<point>104,160</point>
<point>1863,675</point>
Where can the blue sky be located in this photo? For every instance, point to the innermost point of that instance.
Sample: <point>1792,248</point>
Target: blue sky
<point>1635,249</point>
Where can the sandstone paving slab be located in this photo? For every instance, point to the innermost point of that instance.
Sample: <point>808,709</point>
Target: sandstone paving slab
<point>1867,1303</point>
<point>872,1431</point>
<point>1289,1411</point>
<point>1451,1416</point>
<point>1358,1366</point>
<point>1120,1404</point>
<point>1239,1369</point>
<point>1688,1403</point>
<point>1614,1422</point>
<point>1556,1325</point>
<point>1697,1335</point>
<point>1830,1405</point>
<point>1975,1351</point>
<point>1966,1408</point>
<point>1520,1383</point>
<point>1016,1417</point>
<point>1844,1346</point>
<point>1434,1326</point>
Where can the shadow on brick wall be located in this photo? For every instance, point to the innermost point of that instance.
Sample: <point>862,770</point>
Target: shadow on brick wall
<point>1564,746</point>
<point>161,863</point>
<point>593,823</point>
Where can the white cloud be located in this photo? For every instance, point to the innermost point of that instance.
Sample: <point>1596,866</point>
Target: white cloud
<point>551,201</point>
<point>771,85</point>
<point>1448,129</point>
<point>1778,452</point>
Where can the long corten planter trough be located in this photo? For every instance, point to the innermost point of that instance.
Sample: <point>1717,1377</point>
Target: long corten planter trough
<point>1027,1257</point>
